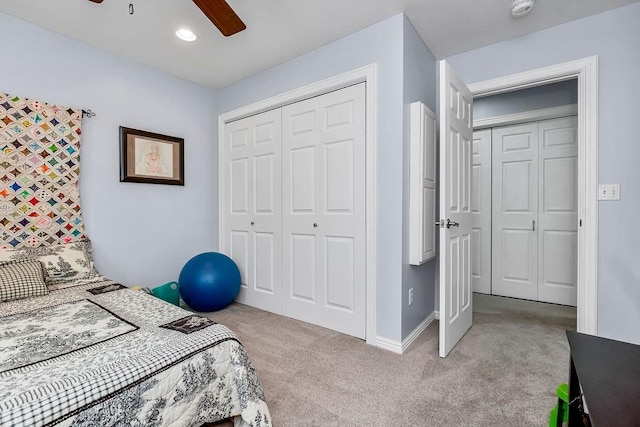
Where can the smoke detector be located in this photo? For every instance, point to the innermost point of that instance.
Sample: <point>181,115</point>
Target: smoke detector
<point>521,8</point>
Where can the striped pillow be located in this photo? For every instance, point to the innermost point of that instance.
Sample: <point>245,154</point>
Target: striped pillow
<point>22,279</point>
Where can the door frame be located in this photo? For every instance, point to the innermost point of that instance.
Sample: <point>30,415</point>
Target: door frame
<point>367,75</point>
<point>586,72</point>
<point>525,117</point>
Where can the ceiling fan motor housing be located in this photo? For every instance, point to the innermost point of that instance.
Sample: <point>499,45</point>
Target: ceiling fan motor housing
<point>521,8</point>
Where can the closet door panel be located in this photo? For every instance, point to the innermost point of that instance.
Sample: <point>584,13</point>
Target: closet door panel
<point>323,193</point>
<point>481,212</point>
<point>558,263</point>
<point>264,262</point>
<point>240,186</point>
<point>239,252</point>
<point>253,204</point>
<point>558,217</point>
<point>339,163</point>
<point>238,135</point>
<point>514,210</point>
<point>265,190</point>
<point>558,184</point>
<point>237,197</point>
<point>341,272</point>
<point>303,267</point>
<point>302,185</point>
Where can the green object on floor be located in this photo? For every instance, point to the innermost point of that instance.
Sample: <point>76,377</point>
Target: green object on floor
<point>168,292</point>
<point>561,410</point>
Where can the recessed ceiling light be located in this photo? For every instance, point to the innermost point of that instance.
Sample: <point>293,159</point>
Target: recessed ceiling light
<point>186,35</point>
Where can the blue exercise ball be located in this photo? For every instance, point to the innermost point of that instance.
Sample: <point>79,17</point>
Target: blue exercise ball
<point>209,281</point>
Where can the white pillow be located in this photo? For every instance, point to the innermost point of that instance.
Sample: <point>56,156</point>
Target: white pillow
<point>65,264</point>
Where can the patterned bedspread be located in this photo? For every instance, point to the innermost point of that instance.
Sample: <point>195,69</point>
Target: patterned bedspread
<point>100,354</point>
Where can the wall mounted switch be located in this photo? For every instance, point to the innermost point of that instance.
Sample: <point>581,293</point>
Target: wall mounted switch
<point>609,192</point>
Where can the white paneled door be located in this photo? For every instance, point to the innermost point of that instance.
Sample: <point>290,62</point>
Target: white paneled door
<point>515,211</point>
<point>535,211</point>
<point>558,212</point>
<point>294,209</point>
<point>481,210</point>
<point>323,216</point>
<point>455,208</point>
<point>252,206</point>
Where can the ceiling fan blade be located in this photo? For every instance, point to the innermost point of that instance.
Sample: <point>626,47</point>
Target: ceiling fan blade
<point>220,13</point>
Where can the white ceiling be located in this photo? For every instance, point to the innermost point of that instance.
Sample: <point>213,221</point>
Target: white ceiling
<point>278,30</point>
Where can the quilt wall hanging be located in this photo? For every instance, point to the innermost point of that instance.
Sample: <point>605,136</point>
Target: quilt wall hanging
<point>39,170</point>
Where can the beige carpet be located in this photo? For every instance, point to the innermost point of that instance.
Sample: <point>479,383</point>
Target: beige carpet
<point>504,371</point>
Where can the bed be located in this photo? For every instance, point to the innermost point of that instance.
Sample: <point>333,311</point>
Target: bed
<point>89,351</point>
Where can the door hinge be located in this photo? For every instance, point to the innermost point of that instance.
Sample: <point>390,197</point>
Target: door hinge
<point>580,223</point>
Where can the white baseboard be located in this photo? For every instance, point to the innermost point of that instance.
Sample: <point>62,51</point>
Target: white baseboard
<point>417,331</point>
<point>436,314</point>
<point>387,344</point>
<point>400,347</point>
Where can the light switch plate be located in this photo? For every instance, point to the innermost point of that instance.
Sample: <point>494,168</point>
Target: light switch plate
<point>609,192</point>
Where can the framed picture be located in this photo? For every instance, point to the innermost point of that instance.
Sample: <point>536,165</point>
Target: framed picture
<point>151,157</point>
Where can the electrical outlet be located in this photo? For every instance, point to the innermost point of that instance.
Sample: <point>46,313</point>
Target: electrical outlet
<point>411,296</point>
<point>609,192</point>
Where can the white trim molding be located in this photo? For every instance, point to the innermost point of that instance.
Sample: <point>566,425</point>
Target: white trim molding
<point>586,72</point>
<point>400,347</point>
<point>390,345</point>
<point>359,75</point>
<point>527,116</point>
<point>417,331</point>
<point>368,75</point>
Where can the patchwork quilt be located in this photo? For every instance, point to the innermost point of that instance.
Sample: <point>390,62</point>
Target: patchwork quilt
<point>101,354</point>
<point>40,166</point>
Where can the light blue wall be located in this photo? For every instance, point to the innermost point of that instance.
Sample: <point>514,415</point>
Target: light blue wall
<point>419,85</point>
<point>142,233</point>
<point>380,44</point>
<point>519,101</point>
<point>615,37</point>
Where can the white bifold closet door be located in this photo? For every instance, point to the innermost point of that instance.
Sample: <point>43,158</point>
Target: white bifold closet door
<point>515,210</point>
<point>323,215</point>
<point>558,211</point>
<point>294,209</point>
<point>253,205</point>
<point>535,211</point>
<point>481,212</point>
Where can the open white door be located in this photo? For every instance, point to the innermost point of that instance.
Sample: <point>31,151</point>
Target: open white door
<point>456,134</point>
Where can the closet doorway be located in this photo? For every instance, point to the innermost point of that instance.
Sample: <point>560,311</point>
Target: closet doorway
<point>294,211</point>
<point>525,195</point>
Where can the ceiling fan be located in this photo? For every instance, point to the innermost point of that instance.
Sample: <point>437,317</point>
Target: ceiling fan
<point>220,13</point>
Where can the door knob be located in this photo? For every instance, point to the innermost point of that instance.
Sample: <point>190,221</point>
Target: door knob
<point>315,224</point>
<point>252,223</point>
<point>452,223</point>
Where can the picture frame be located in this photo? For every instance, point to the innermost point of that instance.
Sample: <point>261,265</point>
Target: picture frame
<point>151,158</point>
